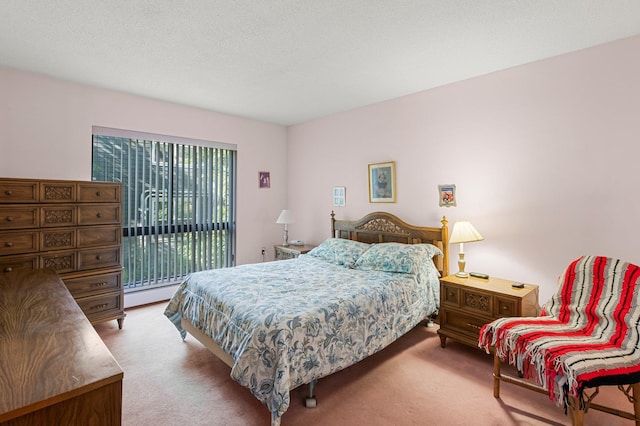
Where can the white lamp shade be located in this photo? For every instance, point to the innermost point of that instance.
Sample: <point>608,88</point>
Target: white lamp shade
<point>464,232</point>
<point>285,217</point>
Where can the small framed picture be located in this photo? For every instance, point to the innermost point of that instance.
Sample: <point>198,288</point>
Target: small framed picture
<point>339,196</point>
<point>447,195</point>
<point>264,180</point>
<point>382,182</point>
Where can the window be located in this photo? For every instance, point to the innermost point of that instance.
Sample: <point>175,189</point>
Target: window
<point>179,199</point>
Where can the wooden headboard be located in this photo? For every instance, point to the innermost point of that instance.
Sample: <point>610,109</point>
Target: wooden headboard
<point>381,227</point>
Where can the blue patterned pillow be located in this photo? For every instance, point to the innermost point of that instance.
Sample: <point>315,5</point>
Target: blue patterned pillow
<point>339,251</point>
<point>396,257</point>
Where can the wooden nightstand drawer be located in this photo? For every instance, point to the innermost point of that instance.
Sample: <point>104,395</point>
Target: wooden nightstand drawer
<point>478,302</point>
<point>467,324</point>
<point>466,304</point>
<point>291,251</point>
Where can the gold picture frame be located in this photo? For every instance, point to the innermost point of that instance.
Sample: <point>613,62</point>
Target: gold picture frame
<point>382,182</point>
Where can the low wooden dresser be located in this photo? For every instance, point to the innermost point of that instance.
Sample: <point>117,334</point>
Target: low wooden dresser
<point>291,251</point>
<point>74,227</point>
<point>55,369</point>
<point>466,304</point>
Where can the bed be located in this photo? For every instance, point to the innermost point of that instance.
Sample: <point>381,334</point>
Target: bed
<point>287,323</point>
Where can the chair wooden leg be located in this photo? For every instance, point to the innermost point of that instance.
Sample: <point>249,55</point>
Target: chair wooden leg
<point>636,402</point>
<point>577,415</point>
<point>496,375</point>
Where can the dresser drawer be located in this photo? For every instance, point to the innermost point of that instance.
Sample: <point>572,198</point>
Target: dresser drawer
<point>58,216</point>
<point>18,192</point>
<point>506,307</point>
<point>474,301</point>
<point>16,242</point>
<point>57,192</point>
<point>99,258</point>
<point>99,214</point>
<point>469,325</point>
<point>98,193</point>
<point>95,236</point>
<point>96,307</point>
<point>61,261</point>
<point>450,295</point>
<point>14,263</point>
<point>57,239</point>
<point>18,217</point>
<point>94,284</point>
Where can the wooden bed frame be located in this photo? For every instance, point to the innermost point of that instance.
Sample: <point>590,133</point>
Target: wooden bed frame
<point>381,227</point>
<point>378,227</point>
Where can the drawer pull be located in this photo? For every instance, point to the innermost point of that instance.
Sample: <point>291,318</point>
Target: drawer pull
<point>98,257</point>
<point>451,294</point>
<point>99,215</point>
<point>8,192</point>
<point>505,308</point>
<point>101,306</point>
<point>8,269</point>
<point>102,284</point>
<point>98,193</point>
<point>8,244</point>
<point>9,218</point>
<point>477,327</point>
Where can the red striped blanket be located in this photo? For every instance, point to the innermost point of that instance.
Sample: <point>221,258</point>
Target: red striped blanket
<point>588,335</point>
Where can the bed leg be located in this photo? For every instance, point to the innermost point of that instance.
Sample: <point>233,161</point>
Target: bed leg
<point>310,401</point>
<point>636,402</point>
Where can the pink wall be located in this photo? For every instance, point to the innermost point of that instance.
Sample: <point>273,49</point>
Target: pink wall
<point>45,132</point>
<point>544,156</point>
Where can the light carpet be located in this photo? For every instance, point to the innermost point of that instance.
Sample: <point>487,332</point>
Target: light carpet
<point>412,382</point>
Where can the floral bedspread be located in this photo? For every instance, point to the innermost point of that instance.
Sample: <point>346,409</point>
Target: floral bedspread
<point>287,323</point>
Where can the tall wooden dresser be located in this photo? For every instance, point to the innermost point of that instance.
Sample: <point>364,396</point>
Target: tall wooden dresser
<point>73,227</point>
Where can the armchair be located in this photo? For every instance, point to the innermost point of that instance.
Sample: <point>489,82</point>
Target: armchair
<point>587,337</point>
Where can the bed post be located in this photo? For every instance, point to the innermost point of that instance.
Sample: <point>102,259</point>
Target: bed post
<point>333,224</point>
<point>445,244</point>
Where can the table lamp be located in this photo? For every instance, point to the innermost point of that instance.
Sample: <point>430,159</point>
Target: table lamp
<point>463,232</point>
<point>285,218</point>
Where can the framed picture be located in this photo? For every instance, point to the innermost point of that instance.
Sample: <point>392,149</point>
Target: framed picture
<point>339,196</point>
<point>447,195</point>
<point>382,182</point>
<point>264,180</point>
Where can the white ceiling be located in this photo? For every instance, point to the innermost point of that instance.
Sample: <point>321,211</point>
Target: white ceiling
<point>288,61</point>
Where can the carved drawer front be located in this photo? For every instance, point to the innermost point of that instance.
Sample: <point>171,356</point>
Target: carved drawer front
<point>57,239</point>
<point>95,193</point>
<point>99,214</point>
<point>16,242</point>
<point>94,284</point>
<point>13,263</point>
<point>61,261</point>
<point>95,307</point>
<point>18,192</point>
<point>58,216</point>
<point>17,217</point>
<point>95,236</point>
<point>57,192</point>
<point>451,295</point>
<point>99,258</point>
<point>506,307</point>
<point>477,302</point>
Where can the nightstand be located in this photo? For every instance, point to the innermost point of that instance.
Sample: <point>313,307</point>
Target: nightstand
<point>466,304</point>
<point>291,251</point>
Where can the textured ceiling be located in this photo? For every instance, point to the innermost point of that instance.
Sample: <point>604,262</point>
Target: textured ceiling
<point>288,61</point>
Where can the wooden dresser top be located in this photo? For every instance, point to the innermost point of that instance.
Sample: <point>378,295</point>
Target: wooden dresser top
<point>49,351</point>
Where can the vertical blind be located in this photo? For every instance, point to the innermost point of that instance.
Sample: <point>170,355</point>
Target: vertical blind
<point>178,203</point>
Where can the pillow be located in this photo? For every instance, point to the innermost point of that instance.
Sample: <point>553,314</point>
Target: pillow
<point>396,257</point>
<point>339,251</point>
